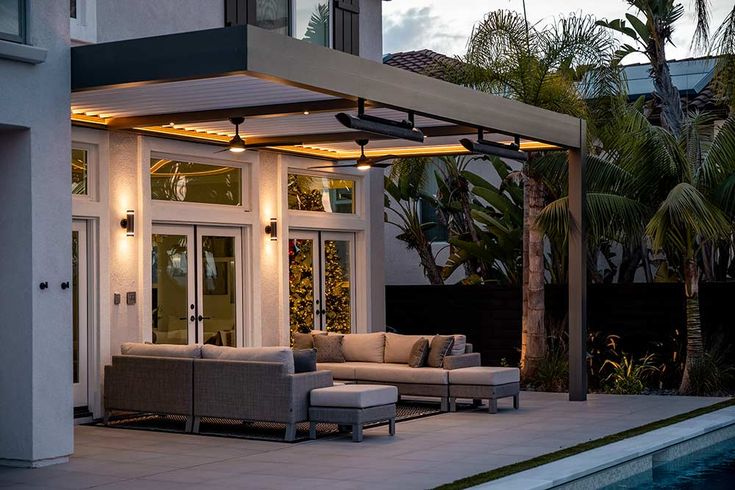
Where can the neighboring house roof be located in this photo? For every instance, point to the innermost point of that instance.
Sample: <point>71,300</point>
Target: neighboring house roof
<point>693,76</point>
<point>425,62</point>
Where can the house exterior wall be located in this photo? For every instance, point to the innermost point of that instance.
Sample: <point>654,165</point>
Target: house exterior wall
<point>35,340</point>
<point>371,29</point>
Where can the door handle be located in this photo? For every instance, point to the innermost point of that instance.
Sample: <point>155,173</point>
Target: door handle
<point>192,318</point>
<point>200,318</point>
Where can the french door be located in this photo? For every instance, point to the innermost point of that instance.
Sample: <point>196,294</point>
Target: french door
<point>197,285</point>
<point>321,281</point>
<point>80,306</point>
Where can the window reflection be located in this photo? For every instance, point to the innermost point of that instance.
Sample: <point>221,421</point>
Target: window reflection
<point>325,194</point>
<point>173,180</point>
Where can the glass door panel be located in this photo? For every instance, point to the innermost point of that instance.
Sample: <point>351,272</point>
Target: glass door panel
<point>337,257</point>
<point>79,312</point>
<point>303,288</point>
<point>173,285</point>
<point>220,285</point>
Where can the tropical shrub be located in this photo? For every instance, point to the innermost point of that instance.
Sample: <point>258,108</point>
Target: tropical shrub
<point>552,370</point>
<point>627,376</point>
<point>712,374</point>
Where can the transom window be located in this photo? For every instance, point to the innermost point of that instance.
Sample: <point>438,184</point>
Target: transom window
<point>13,20</point>
<point>79,172</point>
<point>176,180</point>
<point>323,194</point>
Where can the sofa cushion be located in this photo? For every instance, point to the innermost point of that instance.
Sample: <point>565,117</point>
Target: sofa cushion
<point>161,350</point>
<point>399,373</point>
<point>353,396</point>
<point>484,376</point>
<point>441,346</point>
<point>419,353</point>
<point>459,346</point>
<point>398,347</point>
<point>364,347</point>
<point>329,348</point>
<point>281,355</point>
<point>302,341</point>
<point>343,371</point>
<point>304,360</point>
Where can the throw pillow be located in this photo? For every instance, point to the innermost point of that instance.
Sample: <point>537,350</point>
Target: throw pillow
<point>302,341</point>
<point>328,348</point>
<point>441,345</point>
<point>304,360</point>
<point>419,353</point>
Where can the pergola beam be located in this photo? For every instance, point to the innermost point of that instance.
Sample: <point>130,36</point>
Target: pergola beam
<point>577,272</point>
<point>273,110</point>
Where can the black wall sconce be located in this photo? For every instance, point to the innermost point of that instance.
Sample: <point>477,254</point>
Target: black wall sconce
<point>272,229</point>
<point>128,222</point>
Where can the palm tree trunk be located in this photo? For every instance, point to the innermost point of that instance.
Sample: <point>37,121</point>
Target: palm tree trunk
<point>695,348</point>
<point>668,95</point>
<point>428,262</point>
<point>533,343</point>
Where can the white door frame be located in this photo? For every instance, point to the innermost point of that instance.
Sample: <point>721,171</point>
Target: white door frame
<point>319,238</point>
<point>195,294</point>
<point>81,388</point>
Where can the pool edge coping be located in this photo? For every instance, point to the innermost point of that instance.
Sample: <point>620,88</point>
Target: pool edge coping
<point>587,463</point>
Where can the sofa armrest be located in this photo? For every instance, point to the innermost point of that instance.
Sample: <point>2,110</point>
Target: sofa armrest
<point>462,361</point>
<point>301,386</point>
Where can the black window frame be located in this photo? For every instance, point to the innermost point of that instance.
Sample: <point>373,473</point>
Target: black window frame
<point>22,25</point>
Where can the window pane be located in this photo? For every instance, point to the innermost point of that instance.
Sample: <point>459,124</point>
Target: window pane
<point>73,9</point>
<point>219,290</point>
<point>272,15</point>
<point>10,18</point>
<point>325,194</point>
<point>337,286</point>
<point>301,284</point>
<point>79,172</point>
<point>173,180</point>
<point>312,21</point>
<point>170,294</point>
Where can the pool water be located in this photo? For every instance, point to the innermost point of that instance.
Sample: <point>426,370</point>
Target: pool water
<point>712,468</point>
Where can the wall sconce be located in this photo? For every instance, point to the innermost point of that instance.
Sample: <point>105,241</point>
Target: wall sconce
<point>128,222</point>
<point>272,229</point>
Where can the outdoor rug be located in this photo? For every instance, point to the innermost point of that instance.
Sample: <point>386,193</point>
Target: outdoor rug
<point>267,431</point>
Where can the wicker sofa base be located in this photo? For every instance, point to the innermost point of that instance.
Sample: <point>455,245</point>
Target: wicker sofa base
<point>354,417</point>
<point>492,393</point>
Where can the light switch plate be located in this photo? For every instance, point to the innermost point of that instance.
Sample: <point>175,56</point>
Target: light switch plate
<point>130,297</point>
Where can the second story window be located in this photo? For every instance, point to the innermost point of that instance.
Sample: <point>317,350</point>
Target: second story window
<point>13,20</point>
<point>308,20</point>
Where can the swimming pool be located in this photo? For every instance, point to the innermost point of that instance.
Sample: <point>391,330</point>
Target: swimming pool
<point>712,468</point>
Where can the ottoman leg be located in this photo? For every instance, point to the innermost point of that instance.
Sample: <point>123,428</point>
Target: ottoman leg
<point>189,425</point>
<point>195,426</point>
<point>392,426</point>
<point>492,405</point>
<point>516,401</point>
<point>452,404</point>
<point>312,430</point>
<point>357,433</point>
<point>445,404</point>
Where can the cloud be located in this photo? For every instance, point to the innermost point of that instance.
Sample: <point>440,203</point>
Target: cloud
<point>419,28</point>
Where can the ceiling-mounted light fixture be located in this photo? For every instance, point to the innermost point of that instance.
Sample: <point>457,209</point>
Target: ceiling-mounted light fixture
<point>484,147</point>
<point>272,229</point>
<point>363,162</point>
<point>238,145</point>
<point>128,222</point>
<point>404,129</point>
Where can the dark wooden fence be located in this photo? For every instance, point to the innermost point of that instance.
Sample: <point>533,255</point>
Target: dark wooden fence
<point>646,317</point>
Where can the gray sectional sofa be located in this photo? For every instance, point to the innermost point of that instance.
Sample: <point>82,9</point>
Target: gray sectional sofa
<point>382,358</point>
<point>250,384</point>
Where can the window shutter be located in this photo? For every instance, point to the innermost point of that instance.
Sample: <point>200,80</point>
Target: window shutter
<point>237,12</point>
<point>347,26</point>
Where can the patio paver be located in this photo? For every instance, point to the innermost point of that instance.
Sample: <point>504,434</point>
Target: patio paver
<point>424,453</point>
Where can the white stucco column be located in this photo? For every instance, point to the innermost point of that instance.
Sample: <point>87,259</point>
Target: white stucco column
<point>36,426</point>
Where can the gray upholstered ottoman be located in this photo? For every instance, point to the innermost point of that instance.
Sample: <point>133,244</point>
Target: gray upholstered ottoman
<point>484,383</point>
<point>353,405</point>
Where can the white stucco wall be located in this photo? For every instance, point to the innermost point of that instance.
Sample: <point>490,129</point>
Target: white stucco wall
<point>371,29</point>
<point>35,340</point>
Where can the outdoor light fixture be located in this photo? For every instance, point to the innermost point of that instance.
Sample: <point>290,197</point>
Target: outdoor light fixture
<point>404,129</point>
<point>236,144</point>
<point>128,223</point>
<point>272,229</point>
<point>484,147</point>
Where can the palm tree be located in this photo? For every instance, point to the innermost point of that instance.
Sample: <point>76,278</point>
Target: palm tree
<point>669,186</point>
<point>538,66</point>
